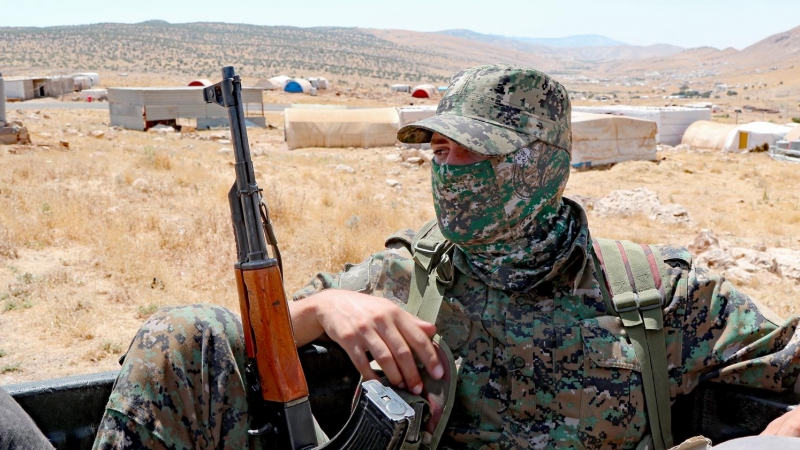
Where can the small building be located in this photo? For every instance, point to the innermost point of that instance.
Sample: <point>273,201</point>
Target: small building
<point>672,121</point>
<point>140,108</point>
<point>28,88</point>
<point>201,82</point>
<point>423,91</point>
<point>298,85</point>
<point>401,88</point>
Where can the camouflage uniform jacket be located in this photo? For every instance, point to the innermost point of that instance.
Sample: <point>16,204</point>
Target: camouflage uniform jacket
<point>550,368</point>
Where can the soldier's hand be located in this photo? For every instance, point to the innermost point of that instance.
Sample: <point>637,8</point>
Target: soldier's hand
<point>785,425</point>
<point>364,324</point>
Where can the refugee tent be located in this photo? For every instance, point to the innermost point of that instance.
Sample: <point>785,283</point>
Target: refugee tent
<point>707,134</point>
<point>297,85</point>
<point>93,76</point>
<point>599,139</point>
<point>672,121</point>
<point>278,82</point>
<point>202,82</point>
<point>401,88</point>
<point>423,91</point>
<point>81,82</point>
<point>753,135</point>
<point>442,89</point>
<point>374,127</point>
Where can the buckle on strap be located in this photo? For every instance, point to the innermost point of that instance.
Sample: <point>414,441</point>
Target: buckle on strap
<point>444,271</point>
<point>429,253</point>
<point>650,299</point>
<point>626,302</point>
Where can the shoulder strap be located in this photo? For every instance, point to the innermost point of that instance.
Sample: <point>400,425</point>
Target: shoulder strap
<point>433,272</point>
<point>636,292</point>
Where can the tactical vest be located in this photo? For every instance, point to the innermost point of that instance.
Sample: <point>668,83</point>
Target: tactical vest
<point>631,278</point>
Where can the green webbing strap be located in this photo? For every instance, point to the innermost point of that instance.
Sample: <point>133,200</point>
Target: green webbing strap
<point>433,272</point>
<point>638,302</point>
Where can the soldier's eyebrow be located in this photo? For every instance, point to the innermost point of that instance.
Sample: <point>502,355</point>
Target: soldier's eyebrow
<point>439,140</point>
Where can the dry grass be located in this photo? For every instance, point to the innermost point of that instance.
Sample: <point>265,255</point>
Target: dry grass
<point>94,238</point>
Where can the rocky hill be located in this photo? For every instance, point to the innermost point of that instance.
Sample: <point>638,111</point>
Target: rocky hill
<point>376,58</point>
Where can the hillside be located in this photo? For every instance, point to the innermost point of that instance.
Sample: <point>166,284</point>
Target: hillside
<point>200,49</point>
<point>344,55</point>
<point>160,53</point>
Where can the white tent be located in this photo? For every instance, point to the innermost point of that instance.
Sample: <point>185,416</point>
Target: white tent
<point>273,83</point>
<point>753,135</point>
<point>401,88</point>
<point>374,127</point>
<point>599,139</point>
<point>672,121</point>
<point>708,135</point>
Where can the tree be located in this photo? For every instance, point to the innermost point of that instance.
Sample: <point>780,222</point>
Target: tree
<point>732,93</point>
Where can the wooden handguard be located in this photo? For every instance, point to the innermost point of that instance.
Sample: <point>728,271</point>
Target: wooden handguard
<point>271,339</point>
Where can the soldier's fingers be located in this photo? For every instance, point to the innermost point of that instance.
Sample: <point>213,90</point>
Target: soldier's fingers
<point>422,346</point>
<point>403,357</point>
<point>359,358</point>
<point>427,327</point>
<point>383,355</point>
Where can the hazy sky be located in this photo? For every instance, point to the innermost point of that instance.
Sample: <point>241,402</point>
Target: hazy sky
<point>687,23</point>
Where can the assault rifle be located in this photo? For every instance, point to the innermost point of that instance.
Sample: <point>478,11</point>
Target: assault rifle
<point>277,389</point>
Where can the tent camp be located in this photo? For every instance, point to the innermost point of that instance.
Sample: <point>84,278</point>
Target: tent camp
<point>707,134</point>
<point>375,127</point>
<point>672,121</point>
<point>734,138</point>
<point>297,85</point>
<point>273,83</point>
<point>599,139</point>
<point>423,91</point>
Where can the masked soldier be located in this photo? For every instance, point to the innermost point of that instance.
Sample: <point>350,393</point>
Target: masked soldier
<point>560,340</point>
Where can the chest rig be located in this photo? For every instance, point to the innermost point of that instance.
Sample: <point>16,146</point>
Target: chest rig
<point>631,278</point>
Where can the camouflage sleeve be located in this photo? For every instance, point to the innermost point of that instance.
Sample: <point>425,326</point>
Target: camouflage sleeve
<point>385,274</point>
<point>720,334</point>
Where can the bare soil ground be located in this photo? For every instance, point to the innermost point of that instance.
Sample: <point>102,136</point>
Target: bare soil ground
<point>98,232</point>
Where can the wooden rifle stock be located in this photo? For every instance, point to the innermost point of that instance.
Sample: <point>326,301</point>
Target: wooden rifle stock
<point>266,313</point>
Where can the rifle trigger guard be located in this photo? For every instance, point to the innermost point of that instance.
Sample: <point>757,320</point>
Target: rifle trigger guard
<point>267,428</point>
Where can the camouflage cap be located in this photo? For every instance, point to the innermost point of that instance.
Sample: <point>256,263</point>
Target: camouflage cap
<point>497,109</point>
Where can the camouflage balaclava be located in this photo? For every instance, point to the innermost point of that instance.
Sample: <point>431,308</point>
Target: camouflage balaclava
<point>504,213</point>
